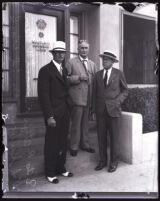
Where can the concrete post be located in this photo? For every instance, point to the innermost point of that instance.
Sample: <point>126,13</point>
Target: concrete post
<point>130,137</point>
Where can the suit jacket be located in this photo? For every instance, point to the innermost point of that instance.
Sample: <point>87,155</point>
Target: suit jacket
<point>53,91</point>
<point>80,91</point>
<point>110,97</point>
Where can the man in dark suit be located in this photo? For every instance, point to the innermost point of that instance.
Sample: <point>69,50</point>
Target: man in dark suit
<point>109,91</point>
<point>55,102</point>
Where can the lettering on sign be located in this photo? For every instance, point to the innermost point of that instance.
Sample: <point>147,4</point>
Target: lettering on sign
<point>40,46</point>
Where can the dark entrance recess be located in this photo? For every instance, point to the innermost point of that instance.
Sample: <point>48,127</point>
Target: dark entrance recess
<point>139,55</point>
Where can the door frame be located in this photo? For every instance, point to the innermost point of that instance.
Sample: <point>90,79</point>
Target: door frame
<point>35,9</point>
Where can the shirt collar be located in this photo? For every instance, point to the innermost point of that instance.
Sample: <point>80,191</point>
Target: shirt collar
<point>57,65</point>
<point>86,59</point>
<point>109,71</point>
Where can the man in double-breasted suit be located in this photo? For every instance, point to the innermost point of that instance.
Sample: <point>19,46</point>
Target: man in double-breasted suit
<point>109,92</point>
<point>80,75</point>
<point>55,102</point>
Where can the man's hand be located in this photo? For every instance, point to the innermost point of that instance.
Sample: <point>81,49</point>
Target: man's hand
<point>92,116</point>
<point>51,122</point>
<point>83,78</point>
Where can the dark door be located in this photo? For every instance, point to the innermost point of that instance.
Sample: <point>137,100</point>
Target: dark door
<point>139,50</point>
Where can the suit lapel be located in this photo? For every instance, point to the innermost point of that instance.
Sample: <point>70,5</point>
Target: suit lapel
<point>82,68</point>
<point>65,73</point>
<point>90,69</point>
<point>56,72</point>
<point>112,76</point>
<point>100,78</point>
<point>79,61</point>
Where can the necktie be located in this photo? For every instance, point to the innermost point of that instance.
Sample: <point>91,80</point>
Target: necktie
<point>85,65</point>
<point>105,78</point>
<point>61,71</point>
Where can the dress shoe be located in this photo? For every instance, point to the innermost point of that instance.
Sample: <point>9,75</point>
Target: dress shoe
<point>73,152</point>
<point>100,166</point>
<point>112,167</point>
<point>89,149</point>
<point>53,180</point>
<point>67,174</point>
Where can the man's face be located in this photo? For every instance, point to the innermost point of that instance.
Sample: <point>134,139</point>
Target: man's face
<point>58,56</point>
<point>83,49</point>
<point>107,62</point>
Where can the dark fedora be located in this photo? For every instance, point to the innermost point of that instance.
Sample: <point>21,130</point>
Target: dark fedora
<point>109,54</point>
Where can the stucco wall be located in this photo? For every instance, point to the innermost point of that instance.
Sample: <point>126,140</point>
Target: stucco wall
<point>92,27</point>
<point>110,29</point>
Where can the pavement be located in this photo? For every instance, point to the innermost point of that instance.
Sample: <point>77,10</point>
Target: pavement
<point>141,178</point>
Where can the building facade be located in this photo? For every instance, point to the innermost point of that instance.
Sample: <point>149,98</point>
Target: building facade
<point>29,30</point>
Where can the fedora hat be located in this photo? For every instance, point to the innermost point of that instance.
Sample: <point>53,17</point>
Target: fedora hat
<point>59,46</point>
<point>109,54</point>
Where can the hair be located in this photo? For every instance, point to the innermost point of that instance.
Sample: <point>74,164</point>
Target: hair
<point>81,41</point>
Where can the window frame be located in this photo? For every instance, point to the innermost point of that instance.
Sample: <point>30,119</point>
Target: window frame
<point>7,96</point>
<point>79,15</point>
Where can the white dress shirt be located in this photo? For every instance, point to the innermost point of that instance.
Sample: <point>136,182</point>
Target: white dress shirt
<point>109,73</point>
<point>58,66</point>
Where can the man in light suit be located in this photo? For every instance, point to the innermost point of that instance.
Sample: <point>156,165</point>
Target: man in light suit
<point>109,92</point>
<point>55,102</point>
<point>80,75</point>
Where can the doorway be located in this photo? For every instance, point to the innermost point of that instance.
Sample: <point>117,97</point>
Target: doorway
<point>139,49</point>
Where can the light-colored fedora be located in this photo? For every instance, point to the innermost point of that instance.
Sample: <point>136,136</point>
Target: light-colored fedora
<point>59,46</point>
<point>109,54</point>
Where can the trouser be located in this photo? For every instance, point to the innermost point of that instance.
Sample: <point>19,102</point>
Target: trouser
<point>55,147</point>
<point>79,127</point>
<point>107,124</point>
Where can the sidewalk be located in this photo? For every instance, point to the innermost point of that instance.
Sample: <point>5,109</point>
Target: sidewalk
<point>140,177</point>
<point>127,178</point>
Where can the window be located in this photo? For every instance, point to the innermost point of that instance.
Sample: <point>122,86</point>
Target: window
<point>74,35</point>
<point>5,52</point>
